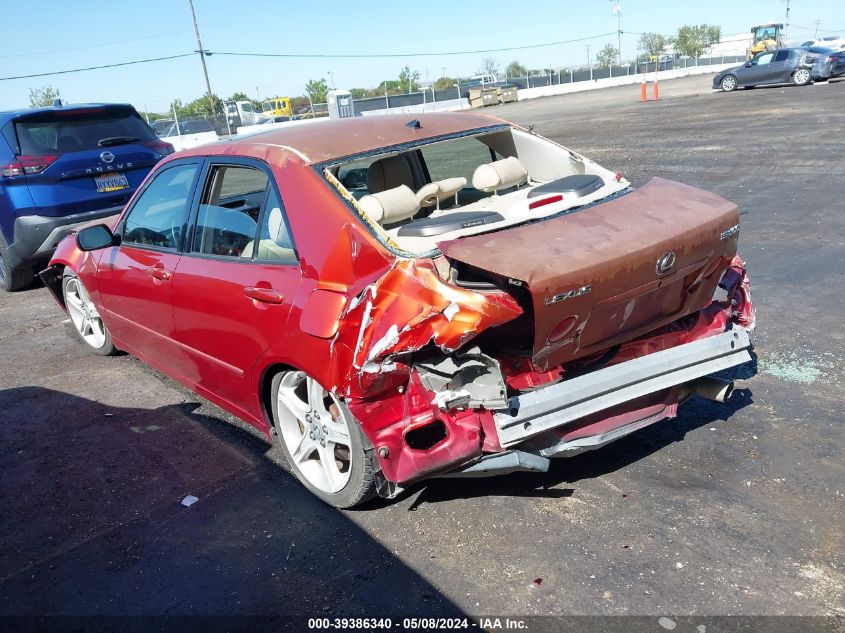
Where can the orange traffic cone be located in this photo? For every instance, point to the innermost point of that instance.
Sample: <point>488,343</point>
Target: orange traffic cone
<point>643,93</point>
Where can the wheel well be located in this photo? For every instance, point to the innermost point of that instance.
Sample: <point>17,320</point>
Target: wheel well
<point>264,391</point>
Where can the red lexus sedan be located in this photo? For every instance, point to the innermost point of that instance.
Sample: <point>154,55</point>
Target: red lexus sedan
<point>390,299</point>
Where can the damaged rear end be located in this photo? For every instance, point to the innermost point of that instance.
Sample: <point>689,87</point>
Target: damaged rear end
<point>549,338</point>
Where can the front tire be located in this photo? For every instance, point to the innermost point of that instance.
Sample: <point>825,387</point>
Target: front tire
<point>728,83</point>
<point>320,440</point>
<point>84,316</point>
<point>801,77</point>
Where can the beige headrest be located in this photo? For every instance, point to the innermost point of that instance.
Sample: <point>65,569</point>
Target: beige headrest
<point>440,190</point>
<point>500,174</point>
<point>393,205</point>
<point>274,223</point>
<point>388,173</point>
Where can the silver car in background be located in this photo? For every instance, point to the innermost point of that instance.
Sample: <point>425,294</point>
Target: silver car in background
<point>798,66</point>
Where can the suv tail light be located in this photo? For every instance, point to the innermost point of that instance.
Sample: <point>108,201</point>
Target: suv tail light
<point>162,147</point>
<point>28,165</point>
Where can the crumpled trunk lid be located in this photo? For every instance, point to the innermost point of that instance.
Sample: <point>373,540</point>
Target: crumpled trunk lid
<point>609,273</point>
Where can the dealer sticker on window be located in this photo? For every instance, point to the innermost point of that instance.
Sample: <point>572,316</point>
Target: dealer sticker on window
<point>111,182</point>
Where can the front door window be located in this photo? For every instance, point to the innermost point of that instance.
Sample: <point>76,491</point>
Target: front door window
<point>158,217</point>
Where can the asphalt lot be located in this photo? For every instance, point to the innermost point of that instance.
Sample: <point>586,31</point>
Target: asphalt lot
<point>734,509</point>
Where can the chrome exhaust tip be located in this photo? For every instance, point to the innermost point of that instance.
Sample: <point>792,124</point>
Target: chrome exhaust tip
<point>711,388</point>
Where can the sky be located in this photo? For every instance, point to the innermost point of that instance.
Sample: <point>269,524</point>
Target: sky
<point>52,35</point>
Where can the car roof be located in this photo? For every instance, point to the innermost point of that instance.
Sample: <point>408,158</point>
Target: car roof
<point>6,115</point>
<point>321,140</point>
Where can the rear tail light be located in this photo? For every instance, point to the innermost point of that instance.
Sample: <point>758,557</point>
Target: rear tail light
<point>28,165</point>
<point>162,147</point>
<point>544,201</point>
<point>12,169</point>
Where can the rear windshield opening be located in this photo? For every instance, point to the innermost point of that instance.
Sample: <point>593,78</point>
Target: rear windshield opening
<point>73,131</point>
<point>414,197</point>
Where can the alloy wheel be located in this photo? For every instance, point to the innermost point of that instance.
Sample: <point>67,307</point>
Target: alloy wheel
<point>728,83</point>
<point>802,76</point>
<point>315,432</point>
<point>83,314</point>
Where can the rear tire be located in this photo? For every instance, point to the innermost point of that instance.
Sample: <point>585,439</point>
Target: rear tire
<point>728,83</point>
<point>801,77</point>
<point>320,440</point>
<point>13,278</point>
<point>85,319</point>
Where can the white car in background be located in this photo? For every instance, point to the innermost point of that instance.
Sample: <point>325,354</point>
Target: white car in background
<point>828,41</point>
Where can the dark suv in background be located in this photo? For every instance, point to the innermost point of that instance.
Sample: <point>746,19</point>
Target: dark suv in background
<point>60,167</point>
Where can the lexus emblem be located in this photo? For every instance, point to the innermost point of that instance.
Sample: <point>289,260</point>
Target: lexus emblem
<point>107,157</point>
<point>665,263</point>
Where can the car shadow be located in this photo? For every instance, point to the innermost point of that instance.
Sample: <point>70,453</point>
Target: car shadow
<point>95,526</point>
<point>617,455</point>
<point>769,87</point>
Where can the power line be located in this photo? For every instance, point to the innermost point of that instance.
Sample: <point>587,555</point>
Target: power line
<point>97,45</point>
<point>310,56</point>
<point>813,28</point>
<point>379,55</point>
<point>78,70</point>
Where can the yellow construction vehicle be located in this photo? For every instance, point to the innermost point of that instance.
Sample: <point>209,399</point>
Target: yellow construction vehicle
<point>765,37</point>
<point>278,107</point>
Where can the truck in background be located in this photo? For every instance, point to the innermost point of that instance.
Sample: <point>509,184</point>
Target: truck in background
<point>765,37</point>
<point>240,113</point>
<point>277,109</point>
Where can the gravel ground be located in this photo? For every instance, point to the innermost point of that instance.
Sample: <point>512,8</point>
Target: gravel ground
<point>734,509</point>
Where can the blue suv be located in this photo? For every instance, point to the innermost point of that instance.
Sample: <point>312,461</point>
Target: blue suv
<point>63,166</point>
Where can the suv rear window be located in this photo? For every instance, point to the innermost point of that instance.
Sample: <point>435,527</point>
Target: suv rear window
<point>78,130</point>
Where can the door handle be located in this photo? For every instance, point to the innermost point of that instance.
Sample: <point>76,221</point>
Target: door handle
<point>265,295</point>
<point>159,273</point>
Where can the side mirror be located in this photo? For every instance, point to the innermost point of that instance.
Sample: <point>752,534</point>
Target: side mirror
<point>749,64</point>
<point>93,238</point>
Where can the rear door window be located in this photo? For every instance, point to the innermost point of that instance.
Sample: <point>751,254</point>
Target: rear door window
<point>781,56</point>
<point>61,132</point>
<point>228,213</point>
<point>240,215</point>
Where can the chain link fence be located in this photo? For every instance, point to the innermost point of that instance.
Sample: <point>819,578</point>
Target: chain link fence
<point>560,76</point>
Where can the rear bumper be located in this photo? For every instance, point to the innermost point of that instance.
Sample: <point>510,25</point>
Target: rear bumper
<point>37,236</point>
<point>539,411</point>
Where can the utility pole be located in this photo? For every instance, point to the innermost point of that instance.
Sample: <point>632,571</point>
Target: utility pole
<point>817,29</point>
<point>201,53</point>
<point>618,11</point>
<point>331,76</point>
<point>589,65</point>
<point>786,30</point>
